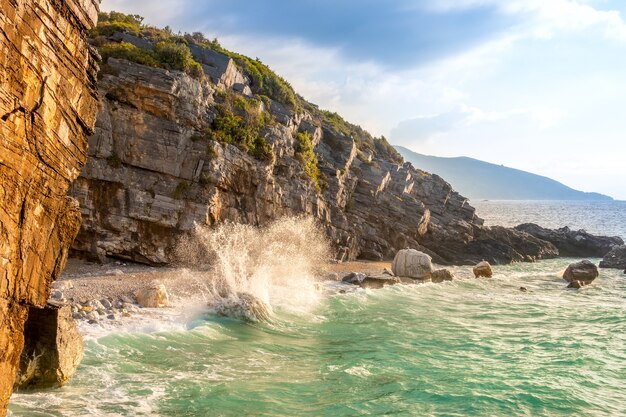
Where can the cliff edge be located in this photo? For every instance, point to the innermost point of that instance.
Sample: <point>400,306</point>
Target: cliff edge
<point>47,109</point>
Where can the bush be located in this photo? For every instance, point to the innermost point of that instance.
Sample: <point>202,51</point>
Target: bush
<point>240,122</point>
<point>177,56</point>
<point>308,157</point>
<point>109,23</point>
<point>130,52</point>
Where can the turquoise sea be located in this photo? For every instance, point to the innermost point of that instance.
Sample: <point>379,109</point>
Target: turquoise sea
<point>463,348</point>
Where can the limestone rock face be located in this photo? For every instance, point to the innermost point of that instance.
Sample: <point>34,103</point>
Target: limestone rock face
<point>52,351</point>
<point>573,243</point>
<point>616,258</point>
<point>412,264</point>
<point>153,297</point>
<point>47,109</point>
<point>583,271</point>
<point>154,172</point>
<point>483,269</point>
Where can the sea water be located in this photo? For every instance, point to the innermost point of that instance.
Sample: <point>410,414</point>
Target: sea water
<point>606,218</point>
<point>462,348</point>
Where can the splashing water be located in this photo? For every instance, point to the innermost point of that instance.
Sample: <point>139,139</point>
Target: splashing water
<point>250,270</point>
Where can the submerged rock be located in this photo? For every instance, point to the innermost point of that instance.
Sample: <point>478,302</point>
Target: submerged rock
<point>441,275</point>
<point>153,297</point>
<point>371,281</point>
<point>577,284</point>
<point>244,306</point>
<point>53,348</point>
<point>583,271</point>
<point>573,243</point>
<point>483,269</point>
<point>616,258</point>
<point>412,264</point>
<point>379,281</point>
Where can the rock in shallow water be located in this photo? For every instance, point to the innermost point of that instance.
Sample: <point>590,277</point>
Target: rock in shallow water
<point>583,271</point>
<point>52,351</point>
<point>483,269</point>
<point>370,281</point>
<point>442,275</point>
<point>244,306</point>
<point>412,264</point>
<point>616,258</point>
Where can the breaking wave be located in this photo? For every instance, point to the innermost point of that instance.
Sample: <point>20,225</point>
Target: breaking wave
<point>251,270</point>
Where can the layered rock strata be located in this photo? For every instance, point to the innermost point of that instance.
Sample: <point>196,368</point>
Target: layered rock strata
<point>47,108</point>
<point>152,174</point>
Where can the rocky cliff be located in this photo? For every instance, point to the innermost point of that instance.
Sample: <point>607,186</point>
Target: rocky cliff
<point>47,108</point>
<point>173,148</point>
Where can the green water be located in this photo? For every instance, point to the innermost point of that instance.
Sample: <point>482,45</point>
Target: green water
<point>466,348</point>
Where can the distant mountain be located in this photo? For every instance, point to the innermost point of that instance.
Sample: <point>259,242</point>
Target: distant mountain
<point>482,180</point>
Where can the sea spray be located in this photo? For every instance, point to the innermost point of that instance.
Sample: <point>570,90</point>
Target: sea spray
<point>250,270</point>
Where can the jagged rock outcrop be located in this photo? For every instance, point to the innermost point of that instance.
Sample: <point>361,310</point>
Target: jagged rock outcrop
<point>616,258</point>
<point>153,172</point>
<point>573,243</point>
<point>47,108</point>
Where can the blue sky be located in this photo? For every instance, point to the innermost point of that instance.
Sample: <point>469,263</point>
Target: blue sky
<point>538,85</point>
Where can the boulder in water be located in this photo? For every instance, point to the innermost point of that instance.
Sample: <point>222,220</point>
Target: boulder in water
<point>576,284</point>
<point>153,297</point>
<point>583,271</point>
<point>616,258</point>
<point>412,264</point>
<point>53,348</point>
<point>244,306</point>
<point>483,269</point>
<point>442,275</point>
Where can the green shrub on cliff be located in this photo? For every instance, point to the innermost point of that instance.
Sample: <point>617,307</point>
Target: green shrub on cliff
<point>265,81</point>
<point>130,52</point>
<point>240,122</point>
<point>109,23</point>
<point>177,56</point>
<point>306,155</point>
<point>167,55</point>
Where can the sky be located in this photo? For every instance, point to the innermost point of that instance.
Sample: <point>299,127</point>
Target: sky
<point>538,85</point>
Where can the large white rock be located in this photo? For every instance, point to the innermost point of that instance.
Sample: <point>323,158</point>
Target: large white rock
<point>413,264</point>
<point>153,297</point>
